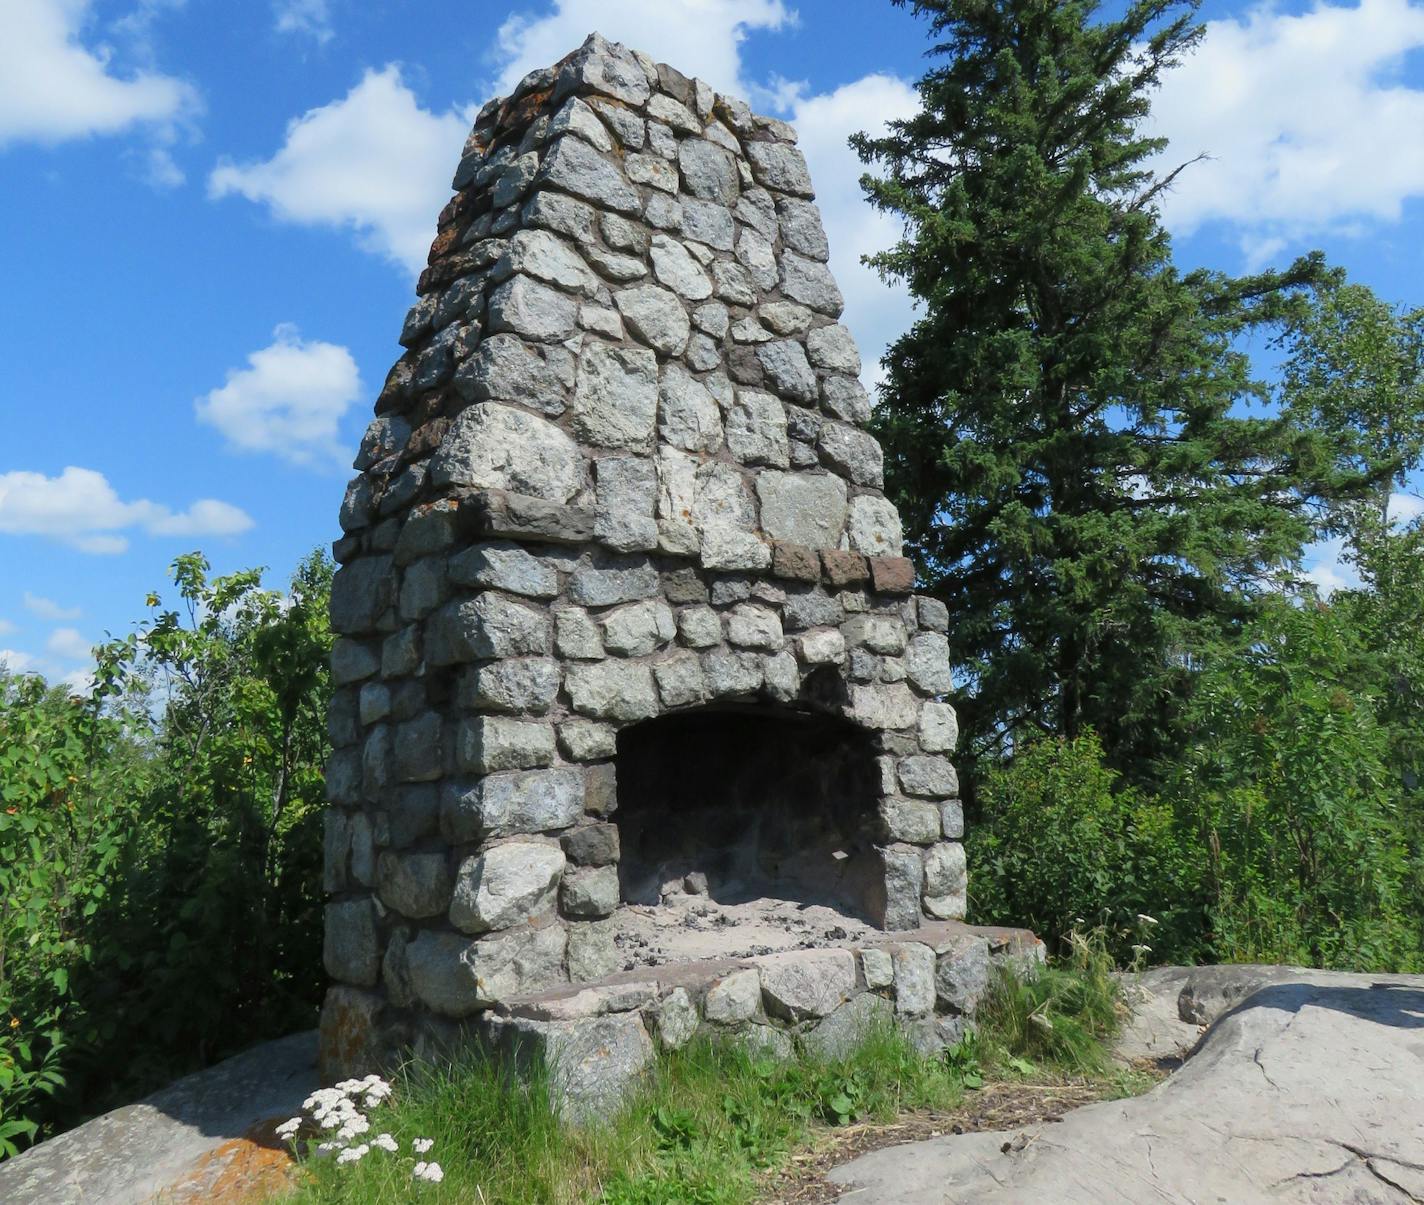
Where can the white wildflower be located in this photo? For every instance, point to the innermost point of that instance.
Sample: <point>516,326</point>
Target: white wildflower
<point>421,1145</point>
<point>326,1148</point>
<point>323,1098</point>
<point>429,1172</point>
<point>1144,919</point>
<point>386,1143</point>
<point>1140,950</point>
<point>352,1153</point>
<point>353,1127</point>
<point>288,1129</point>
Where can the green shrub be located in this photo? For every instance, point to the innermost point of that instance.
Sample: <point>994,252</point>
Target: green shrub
<point>1288,829</point>
<point>160,846</point>
<point>1299,815</point>
<point>66,813</point>
<point>1062,845</point>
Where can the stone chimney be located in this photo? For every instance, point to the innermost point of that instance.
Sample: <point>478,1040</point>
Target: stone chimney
<point>629,670</point>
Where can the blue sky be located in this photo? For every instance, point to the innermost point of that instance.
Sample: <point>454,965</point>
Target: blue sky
<point>214,211</point>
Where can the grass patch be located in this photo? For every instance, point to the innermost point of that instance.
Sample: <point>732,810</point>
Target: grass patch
<point>1063,1016</point>
<point>713,1119</point>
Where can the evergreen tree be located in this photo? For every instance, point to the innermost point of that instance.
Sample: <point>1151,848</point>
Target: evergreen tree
<point>1068,425</point>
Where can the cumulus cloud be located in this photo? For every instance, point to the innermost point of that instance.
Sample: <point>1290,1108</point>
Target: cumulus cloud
<point>875,312</point>
<point>54,88</point>
<point>378,163</point>
<point>1327,569</point>
<point>1306,120</point>
<point>47,608</point>
<point>68,643</point>
<point>309,17</point>
<point>17,662</point>
<point>374,162</point>
<point>1328,564</point>
<point>79,681</point>
<point>159,171</point>
<point>289,400</point>
<point>698,37</point>
<point>81,509</point>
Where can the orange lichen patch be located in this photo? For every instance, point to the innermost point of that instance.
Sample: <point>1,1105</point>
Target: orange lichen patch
<point>347,1019</point>
<point>526,108</point>
<point>252,1168</point>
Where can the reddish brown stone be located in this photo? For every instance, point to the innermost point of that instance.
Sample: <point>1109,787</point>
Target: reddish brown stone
<point>444,242</point>
<point>460,206</point>
<point>844,568</point>
<point>444,270</point>
<point>426,438</point>
<point>427,406</point>
<point>892,574</point>
<point>451,210</point>
<point>795,561</point>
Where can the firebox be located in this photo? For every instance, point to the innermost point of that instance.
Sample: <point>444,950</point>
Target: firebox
<point>745,804</point>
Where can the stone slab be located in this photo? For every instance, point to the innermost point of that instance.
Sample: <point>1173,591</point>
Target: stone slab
<point>133,1154</point>
<point>1306,1090</point>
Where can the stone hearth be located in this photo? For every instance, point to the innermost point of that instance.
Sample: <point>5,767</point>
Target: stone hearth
<point>630,672</point>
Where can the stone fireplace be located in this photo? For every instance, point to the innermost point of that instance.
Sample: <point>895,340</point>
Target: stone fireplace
<point>632,689</point>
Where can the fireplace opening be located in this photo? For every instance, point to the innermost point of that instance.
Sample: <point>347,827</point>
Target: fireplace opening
<point>744,805</point>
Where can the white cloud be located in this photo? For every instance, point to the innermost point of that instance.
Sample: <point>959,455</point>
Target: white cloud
<point>17,662</point>
<point>47,608</point>
<point>698,37</point>
<point>310,17</point>
<point>1405,508</point>
<point>1328,563</point>
<point>876,313</point>
<point>53,87</point>
<point>289,400</point>
<point>160,172</point>
<point>81,509</point>
<point>1307,123</point>
<point>206,517</point>
<point>79,681</point>
<point>374,162</point>
<point>1327,568</point>
<point>68,643</point>
<point>7,628</point>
